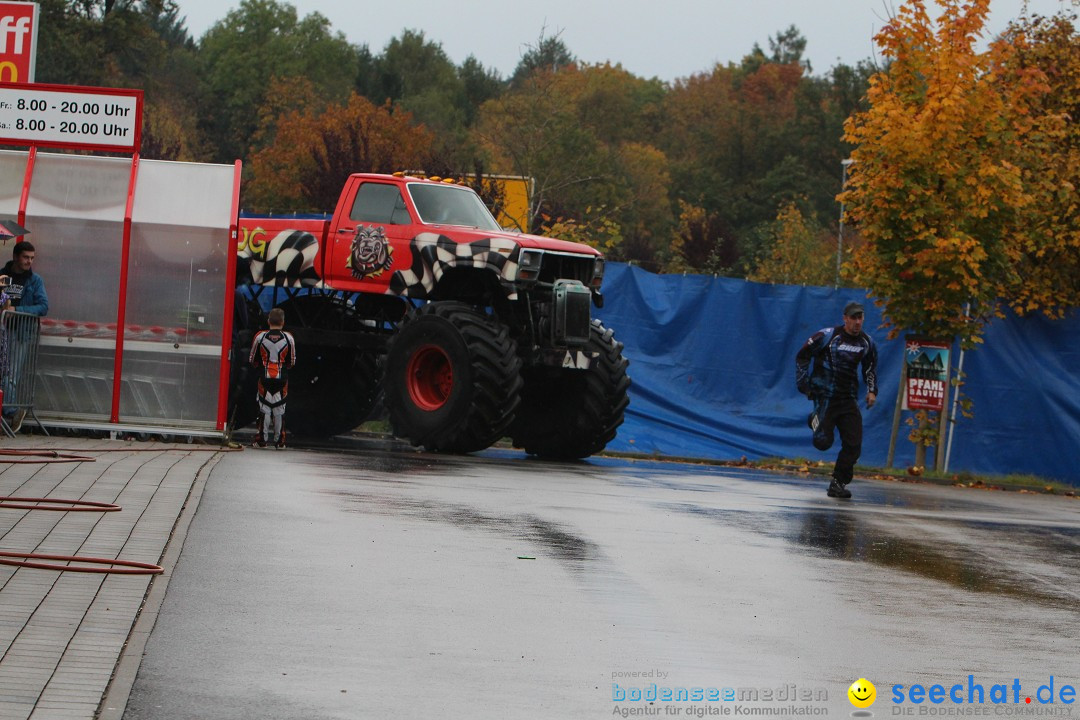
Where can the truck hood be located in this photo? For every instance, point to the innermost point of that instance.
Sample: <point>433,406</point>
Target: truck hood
<point>522,239</point>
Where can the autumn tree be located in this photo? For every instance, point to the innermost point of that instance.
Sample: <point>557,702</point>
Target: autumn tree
<point>314,152</point>
<point>744,140</point>
<point>700,241</point>
<point>1046,260</point>
<point>956,180</point>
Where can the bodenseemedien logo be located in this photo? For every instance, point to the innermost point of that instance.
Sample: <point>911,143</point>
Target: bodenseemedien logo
<point>862,693</point>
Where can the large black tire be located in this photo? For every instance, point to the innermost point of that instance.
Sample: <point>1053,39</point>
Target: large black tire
<point>453,379</point>
<point>568,414</point>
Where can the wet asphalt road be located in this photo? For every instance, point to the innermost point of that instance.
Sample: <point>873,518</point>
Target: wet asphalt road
<point>383,584</point>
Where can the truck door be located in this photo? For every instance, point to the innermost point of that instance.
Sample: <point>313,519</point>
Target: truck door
<point>371,232</point>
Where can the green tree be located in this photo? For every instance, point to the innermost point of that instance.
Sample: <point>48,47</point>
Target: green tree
<point>416,74</point>
<point>128,44</point>
<point>480,85</point>
<point>786,48</point>
<point>581,134</point>
<point>98,43</point>
<point>535,131</point>
<point>548,55</point>
<point>261,40</point>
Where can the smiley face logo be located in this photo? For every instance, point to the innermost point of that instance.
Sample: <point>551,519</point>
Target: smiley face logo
<point>862,693</point>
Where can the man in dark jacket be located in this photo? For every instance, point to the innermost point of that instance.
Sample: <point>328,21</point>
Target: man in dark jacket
<point>833,386</point>
<point>25,291</point>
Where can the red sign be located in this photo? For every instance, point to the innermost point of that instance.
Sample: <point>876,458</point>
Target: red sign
<point>18,41</point>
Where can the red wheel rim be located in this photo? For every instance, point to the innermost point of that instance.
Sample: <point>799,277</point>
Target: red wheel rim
<point>430,377</point>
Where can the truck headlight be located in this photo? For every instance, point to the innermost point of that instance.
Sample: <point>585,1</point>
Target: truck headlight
<point>529,262</point>
<point>597,273</point>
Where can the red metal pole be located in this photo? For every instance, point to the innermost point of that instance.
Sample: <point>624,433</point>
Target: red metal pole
<point>121,310</point>
<point>25,197</point>
<point>230,295</point>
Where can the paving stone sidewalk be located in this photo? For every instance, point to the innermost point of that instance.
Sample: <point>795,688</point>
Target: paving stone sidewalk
<point>64,634</point>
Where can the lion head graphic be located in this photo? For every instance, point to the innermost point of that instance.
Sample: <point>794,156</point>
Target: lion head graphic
<point>371,252</point>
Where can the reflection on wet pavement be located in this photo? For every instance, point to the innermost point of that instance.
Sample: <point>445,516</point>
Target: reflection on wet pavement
<point>958,539</point>
<point>975,558</point>
<point>568,548</point>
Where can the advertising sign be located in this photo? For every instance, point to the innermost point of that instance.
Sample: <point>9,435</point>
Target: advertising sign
<point>72,117</point>
<point>927,382</point>
<point>18,41</point>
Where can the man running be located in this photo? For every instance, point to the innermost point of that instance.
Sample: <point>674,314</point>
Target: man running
<point>833,386</point>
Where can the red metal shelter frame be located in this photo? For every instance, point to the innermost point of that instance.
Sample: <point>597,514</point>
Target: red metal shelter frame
<point>133,149</point>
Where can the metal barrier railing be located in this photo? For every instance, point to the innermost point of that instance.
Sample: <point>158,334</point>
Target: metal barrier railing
<point>19,333</point>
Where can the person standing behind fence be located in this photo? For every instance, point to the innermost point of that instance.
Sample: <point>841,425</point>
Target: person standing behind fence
<point>833,386</point>
<point>274,351</point>
<point>25,291</point>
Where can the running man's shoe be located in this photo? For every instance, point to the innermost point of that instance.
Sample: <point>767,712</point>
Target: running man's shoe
<point>259,441</point>
<point>837,489</point>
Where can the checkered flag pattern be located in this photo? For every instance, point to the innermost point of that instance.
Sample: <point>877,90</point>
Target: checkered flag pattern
<point>433,254</point>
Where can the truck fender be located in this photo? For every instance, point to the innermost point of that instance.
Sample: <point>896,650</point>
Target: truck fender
<point>434,254</point>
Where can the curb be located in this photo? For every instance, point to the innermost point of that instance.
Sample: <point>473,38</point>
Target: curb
<point>114,700</point>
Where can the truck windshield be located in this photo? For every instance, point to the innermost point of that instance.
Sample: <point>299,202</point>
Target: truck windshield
<point>451,205</point>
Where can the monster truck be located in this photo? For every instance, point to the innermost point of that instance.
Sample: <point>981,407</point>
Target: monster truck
<point>468,332</point>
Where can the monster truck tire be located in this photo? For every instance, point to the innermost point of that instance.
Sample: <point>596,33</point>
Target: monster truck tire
<point>453,379</point>
<point>331,391</point>
<point>568,414</point>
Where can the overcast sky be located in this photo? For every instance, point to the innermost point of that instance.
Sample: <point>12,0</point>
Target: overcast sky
<point>668,39</point>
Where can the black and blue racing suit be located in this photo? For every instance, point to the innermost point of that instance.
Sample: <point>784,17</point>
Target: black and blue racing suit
<point>833,385</point>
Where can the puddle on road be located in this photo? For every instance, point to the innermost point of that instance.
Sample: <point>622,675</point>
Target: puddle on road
<point>846,535</point>
<point>569,549</point>
<point>398,464</point>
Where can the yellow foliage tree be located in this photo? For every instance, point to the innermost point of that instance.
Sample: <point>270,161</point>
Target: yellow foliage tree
<point>799,253</point>
<point>953,184</point>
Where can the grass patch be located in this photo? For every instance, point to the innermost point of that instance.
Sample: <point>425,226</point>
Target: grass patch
<point>378,427</point>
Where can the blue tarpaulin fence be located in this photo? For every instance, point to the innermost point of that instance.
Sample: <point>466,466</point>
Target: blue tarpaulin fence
<point>712,362</point>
